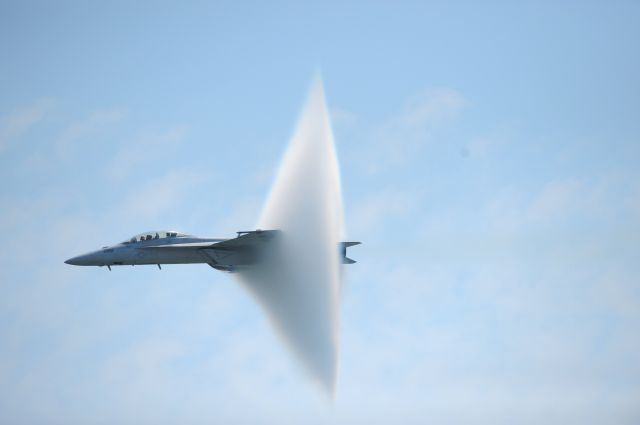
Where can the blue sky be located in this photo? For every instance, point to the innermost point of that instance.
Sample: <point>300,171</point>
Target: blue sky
<point>489,157</point>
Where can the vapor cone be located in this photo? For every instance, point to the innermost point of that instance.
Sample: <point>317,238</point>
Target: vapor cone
<point>298,284</point>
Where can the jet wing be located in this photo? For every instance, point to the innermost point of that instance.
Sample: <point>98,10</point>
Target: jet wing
<point>246,240</point>
<point>242,251</point>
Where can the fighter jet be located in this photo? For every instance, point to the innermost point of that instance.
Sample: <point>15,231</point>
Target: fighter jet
<point>293,268</point>
<point>171,247</point>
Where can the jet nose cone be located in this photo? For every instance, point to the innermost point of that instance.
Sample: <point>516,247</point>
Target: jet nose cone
<point>74,261</point>
<point>90,259</point>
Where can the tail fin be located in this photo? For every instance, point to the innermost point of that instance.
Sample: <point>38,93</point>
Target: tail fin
<point>343,247</point>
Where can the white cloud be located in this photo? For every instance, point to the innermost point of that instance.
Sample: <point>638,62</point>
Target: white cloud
<point>158,195</point>
<point>396,140</point>
<point>392,142</point>
<point>556,199</point>
<point>343,118</point>
<point>619,293</point>
<point>431,107</point>
<point>17,123</point>
<point>481,146</point>
<point>93,123</point>
<point>554,203</point>
<point>375,208</point>
<point>146,150</point>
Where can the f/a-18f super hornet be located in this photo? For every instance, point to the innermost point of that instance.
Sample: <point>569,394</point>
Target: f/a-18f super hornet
<point>293,267</point>
<point>169,247</point>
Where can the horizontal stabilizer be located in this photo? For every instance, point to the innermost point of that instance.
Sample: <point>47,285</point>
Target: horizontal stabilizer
<point>343,247</point>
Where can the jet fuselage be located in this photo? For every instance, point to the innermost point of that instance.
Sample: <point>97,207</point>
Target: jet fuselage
<point>168,247</point>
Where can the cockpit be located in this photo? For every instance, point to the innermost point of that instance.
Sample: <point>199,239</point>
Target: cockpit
<point>160,234</point>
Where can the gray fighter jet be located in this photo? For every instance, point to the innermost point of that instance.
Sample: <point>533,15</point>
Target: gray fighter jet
<point>169,247</point>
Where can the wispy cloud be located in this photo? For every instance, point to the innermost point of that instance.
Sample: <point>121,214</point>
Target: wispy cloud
<point>13,125</point>
<point>145,150</point>
<point>556,199</point>
<point>158,195</point>
<point>342,117</point>
<point>376,208</point>
<point>94,122</point>
<point>555,202</point>
<point>396,140</point>
<point>431,107</point>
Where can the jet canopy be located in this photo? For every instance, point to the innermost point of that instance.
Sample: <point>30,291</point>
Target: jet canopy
<point>156,234</point>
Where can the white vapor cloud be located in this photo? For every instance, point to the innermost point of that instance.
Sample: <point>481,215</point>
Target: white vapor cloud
<point>299,284</point>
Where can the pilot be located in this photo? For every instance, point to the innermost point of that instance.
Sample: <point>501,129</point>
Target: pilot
<point>157,236</point>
